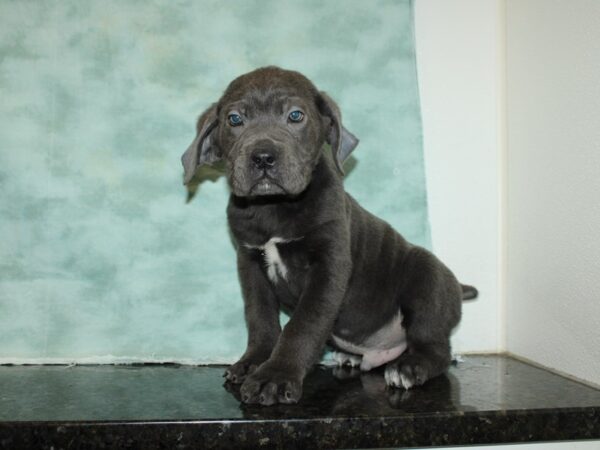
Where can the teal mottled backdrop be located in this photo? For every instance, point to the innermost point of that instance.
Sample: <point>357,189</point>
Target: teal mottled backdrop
<point>101,259</point>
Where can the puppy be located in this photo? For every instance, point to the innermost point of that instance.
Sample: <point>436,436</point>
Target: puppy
<point>306,247</point>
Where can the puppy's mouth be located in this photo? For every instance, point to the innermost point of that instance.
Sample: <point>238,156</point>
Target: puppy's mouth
<point>266,186</point>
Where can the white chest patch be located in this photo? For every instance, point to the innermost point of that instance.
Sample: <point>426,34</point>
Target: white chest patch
<point>273,262</point>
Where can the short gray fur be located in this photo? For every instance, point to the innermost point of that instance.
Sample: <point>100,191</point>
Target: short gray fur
<point>348,273</point>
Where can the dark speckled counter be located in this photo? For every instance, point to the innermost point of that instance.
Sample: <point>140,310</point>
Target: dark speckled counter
<point>485,399</point>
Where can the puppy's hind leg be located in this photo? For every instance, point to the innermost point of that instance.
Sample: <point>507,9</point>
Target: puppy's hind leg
<point>431,309</point>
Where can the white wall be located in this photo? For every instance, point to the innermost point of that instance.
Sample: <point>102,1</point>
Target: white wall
<point>517,211</point>
<point>510,96</point>
<point>460,64</point>
<point>553,106</point>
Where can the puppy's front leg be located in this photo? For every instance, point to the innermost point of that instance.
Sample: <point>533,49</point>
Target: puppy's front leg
<point>302,341</point>
<point>261,311</point>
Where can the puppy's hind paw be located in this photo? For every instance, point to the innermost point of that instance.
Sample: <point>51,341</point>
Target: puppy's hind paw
<point>347,359</point>
<point>394,378</point>
<point>404,375</point>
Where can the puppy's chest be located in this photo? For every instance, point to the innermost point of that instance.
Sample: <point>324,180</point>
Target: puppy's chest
<point>282,258</point>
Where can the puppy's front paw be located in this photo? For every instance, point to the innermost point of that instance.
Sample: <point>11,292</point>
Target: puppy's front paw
<point>270,384</point>
<point>238,372</point>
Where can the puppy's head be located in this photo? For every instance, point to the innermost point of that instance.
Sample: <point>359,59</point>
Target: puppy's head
<point>269,128</point>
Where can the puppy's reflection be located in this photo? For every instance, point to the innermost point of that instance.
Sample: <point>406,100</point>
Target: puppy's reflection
<point>372,396</point>
<point>345,391</point>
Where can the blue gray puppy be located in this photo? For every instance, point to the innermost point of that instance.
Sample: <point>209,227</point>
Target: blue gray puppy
<point>306,247</point>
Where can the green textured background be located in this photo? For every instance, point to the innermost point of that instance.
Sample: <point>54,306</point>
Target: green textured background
<point>101,259</point>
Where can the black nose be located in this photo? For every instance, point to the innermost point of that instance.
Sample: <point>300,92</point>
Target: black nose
<point>263,159</point>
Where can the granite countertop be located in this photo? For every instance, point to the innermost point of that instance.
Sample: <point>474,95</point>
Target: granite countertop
<point>485,399</point>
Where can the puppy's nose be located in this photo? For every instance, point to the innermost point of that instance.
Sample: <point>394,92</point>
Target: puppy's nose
<point>263,159</point>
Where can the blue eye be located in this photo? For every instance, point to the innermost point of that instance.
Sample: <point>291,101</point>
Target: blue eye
<point>234,120</point>
<point>296,116</point>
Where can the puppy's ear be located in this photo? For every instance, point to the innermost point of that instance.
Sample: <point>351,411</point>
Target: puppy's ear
<point>204,149</point>
<point>341,140</point>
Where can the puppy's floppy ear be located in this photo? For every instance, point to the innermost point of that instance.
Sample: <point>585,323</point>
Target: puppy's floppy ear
<point>341,140</point>
<point>204,149</point>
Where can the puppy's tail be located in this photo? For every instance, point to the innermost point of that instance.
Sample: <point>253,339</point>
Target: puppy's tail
<point>469,292</point>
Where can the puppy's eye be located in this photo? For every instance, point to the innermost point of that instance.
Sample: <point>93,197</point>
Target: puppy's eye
<point>234,120</point>
<point>296,116</point>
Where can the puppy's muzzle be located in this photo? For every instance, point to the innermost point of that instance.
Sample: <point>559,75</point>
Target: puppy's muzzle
<point>264,164</point>
<point>263,159</point>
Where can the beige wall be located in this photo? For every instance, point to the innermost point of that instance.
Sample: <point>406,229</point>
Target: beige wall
<point>510,97</point>
<point>553,113</point>
<point>460,62</point>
